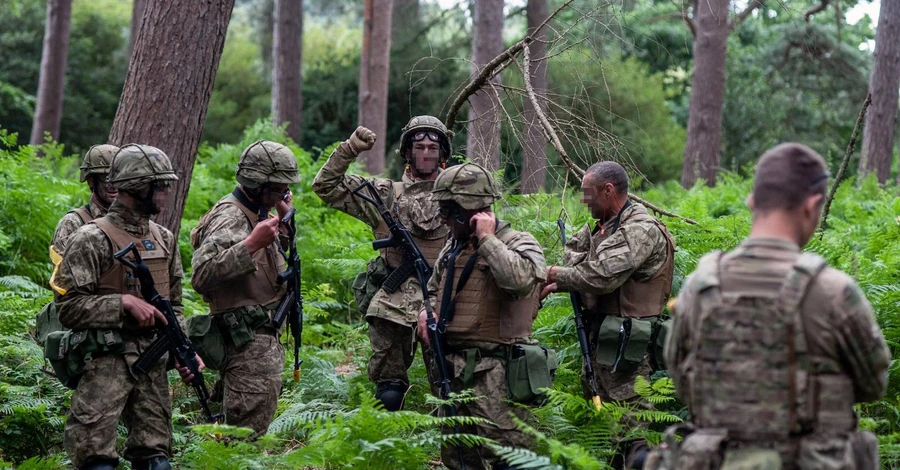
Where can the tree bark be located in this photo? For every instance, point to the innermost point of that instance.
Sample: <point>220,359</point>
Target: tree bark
<point>483,141</point>
<point>51,83</point>
<point>374,71</point>
<point>287,58</point>
<point>534,148</point>
<point>884,83</point>
<point>263,16</point>
<point>701,152</point>
<point>168,85</point>
<point>137,14</point>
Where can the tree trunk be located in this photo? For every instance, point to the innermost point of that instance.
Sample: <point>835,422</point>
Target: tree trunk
<point>287,58</point>
<point>169,82</point>
<point>263,16</point>
<point>534,149</point>
<point>884,83</point>
<point>483,142</point>
<point>53,71</point>
<point>137,14</point>
<point>405,21</point>
<point>374,71</point>
<point>701,152</point>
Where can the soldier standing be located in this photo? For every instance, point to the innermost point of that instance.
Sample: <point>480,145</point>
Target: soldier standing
<point>101,301</point>
<point>623,268</point>
<point>485,288</point>
<point>391,307</point>
<point>771,348</point>
<point>236,263</point>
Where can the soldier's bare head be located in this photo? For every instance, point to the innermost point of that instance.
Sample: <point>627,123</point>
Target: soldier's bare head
<point>605,189</point>
<point>788,191</point>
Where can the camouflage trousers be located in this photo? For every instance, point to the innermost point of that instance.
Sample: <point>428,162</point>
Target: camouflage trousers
<point>490,386</point>
<point>108,390</point>
<point>393,350</point>
<point>617,386</point>
<point>252,383</point>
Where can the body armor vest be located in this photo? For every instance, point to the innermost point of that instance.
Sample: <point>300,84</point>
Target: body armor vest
<point>753,337</point>
<point>413,207</point>
<point>639,299</point>
<point>257,288</point>
<point>83,213</point>
<point>484,312</point>
<point>119,279</point>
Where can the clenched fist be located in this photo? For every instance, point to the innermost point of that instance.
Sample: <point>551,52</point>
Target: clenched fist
<point>361,140</point>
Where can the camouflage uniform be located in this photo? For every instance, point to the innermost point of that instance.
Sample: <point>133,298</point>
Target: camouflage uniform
<point>391,315</point>
<point>234,282</point>
<point>109,388</point>
<point>799,400</point>
<point>494,309</point>
<point>623,268</point>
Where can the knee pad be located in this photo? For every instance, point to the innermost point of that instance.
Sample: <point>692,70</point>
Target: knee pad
<point>101,464</point>
<point>155,463</point>
<point>391,394</point>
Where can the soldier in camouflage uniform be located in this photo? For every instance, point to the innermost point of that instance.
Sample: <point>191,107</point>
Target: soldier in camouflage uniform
<point>623,268</point>
<point>100,297</point>
<point>491,310</point>
<point>94,169</point>
<point>236,262</point>
<point>392,311</point>
<point>771,348</point>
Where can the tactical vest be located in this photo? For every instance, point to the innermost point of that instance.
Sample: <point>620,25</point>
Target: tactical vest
<point>257,288</point>
<point>118,279</point>
<point>414,208</point>
<point>639,299</point>
<point>750,338</point>
<point>483,312</point>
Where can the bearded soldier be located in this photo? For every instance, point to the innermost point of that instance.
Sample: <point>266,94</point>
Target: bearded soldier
<point>236,263</point>
<point>391,302</point>
<point>93,170</point>
<point>771,348</point>
<point>112,325</point>
<point>485,290</point>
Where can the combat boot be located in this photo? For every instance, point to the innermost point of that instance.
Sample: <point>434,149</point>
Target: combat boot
<point>101,464</point>
<point>155,463</point>
<point>391,394</point>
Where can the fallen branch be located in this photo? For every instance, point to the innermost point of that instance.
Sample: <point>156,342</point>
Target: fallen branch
<point>844,162</point>
<point>823,4</point>
<point>492,68</point>
<point>551,135</point>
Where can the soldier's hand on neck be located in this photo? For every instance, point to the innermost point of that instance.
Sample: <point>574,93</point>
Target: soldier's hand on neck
<point>146,315</point>
<point>284,205</point>
<point>483,224</point>
<point>264,234</point>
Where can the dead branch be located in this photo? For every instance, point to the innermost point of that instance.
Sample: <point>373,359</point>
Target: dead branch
<point>550,133</point>
<point>747,11</point>
<point>844,162</point>
<point>823,4</point>
<point>492,68</point>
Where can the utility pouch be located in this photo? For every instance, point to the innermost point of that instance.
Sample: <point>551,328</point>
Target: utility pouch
<point>207,340</point>
<point>853,451</point>
<point>636,345</point>
<point>240,324</point>
<point>529,369</point>
<point>368,283</point>
<point>608,340</point>
<point>46,322</point>
<point>704,449</point>
<point>751,458</point>
<point>68,351</point>
<point>658,344</point>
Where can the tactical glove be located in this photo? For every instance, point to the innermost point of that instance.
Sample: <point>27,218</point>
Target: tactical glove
<point>361,140</point>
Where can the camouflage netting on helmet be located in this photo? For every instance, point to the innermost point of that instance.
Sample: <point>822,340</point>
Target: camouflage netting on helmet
<point>264,162</point>
<point>96,160</point>
<point>425,123</point>
<point>136,166</point>
<point>469,185</point>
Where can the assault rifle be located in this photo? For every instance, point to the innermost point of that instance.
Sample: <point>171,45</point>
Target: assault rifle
<point>583,342</point>
<point>171,337</point>
<point>291,307</point>
<point>412,256</point>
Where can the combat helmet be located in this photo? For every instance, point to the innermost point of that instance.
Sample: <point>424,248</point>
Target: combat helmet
<point>425,123</point>
<point>264,162</point>
<point>96,161</point>
<point>469,185</point>
<point>136,166</point>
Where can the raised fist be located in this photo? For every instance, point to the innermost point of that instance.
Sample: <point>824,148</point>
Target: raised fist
<point>361,140</point>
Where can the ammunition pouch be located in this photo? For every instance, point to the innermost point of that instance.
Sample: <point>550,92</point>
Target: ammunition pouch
<point>710,449</point>
<point>530,368</point>
<point>623,342</point>
<point>211,335</point>
<point>368,283</point>
<point>658,343</point>
<point>69,351</point>
<point>857,451</point>
<point>46,322</point>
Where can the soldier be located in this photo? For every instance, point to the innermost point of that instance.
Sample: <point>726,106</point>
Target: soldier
<point>93,170</point>
<point>100,300</point>
<point>391,307</point>
<point>236,262</point>
<point>771,348</point>
<point>486,285</point>
<point>623,267</point>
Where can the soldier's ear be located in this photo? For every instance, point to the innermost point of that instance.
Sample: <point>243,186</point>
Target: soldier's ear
<point>749,201</point>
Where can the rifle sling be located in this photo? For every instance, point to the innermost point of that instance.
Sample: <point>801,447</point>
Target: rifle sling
<point>450,305</point>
